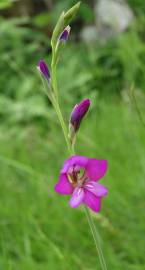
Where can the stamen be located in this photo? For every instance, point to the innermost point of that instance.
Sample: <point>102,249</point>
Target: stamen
<point>77,176</point>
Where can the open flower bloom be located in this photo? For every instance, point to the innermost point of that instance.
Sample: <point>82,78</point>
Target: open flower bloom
<point>79,177</point>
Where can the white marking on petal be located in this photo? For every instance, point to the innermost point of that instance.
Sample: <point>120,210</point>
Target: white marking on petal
<point>77,197</point>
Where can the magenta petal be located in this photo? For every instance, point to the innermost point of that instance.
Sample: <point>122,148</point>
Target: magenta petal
<point>96,169</point>
<point>96,189</point>
<point>92,201</point>
<point>74,160</point>
<point>77,197</point>
<point>63,186</point>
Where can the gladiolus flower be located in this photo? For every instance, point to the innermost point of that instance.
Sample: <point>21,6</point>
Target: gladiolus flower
<point>65,34</point>
<point>78,114</point>
<point>78,177</point>
<point>42,67</point>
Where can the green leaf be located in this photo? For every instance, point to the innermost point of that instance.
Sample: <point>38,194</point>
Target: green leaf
<point>69,15</point>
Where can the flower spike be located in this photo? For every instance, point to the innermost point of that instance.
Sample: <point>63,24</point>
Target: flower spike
<point>42,67</point>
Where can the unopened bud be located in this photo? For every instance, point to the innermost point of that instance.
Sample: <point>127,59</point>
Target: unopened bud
<point>65,34</point>
<point>78,114</point>
<point>42,67</point>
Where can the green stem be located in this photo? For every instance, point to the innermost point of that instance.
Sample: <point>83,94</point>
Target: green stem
<point>96,238</point>
<point>53,75</point>
<point>63,125</point>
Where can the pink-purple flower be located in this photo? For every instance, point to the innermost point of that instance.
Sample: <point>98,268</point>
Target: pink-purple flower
<point>43,68</point>
<point>65,34</point>
<point>79,177</point>
<point>78,113</point>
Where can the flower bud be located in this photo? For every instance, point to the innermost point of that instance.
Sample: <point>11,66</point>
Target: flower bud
<point>78,114</point>
<point>65,34</point>
<point>42,67</point>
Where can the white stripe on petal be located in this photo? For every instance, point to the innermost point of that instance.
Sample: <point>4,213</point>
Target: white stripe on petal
<point>97,189</point>
<point>77,197</point>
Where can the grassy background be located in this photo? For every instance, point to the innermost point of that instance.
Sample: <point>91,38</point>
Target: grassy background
<point>38,230</point>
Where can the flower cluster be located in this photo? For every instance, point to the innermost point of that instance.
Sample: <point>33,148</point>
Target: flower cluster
<point>80,175</point>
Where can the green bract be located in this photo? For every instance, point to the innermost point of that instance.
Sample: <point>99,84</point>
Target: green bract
<point>69,15</point>
<point>64,19</point>
<point>57,30</point>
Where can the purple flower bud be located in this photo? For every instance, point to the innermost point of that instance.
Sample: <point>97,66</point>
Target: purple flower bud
<point>64,35</point>
<point>78,113</point>
<point>42,67</point>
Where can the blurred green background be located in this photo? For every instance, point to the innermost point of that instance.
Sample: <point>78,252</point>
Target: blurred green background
<point>101,61</point>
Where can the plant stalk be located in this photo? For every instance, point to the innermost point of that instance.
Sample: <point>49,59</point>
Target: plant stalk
<point>96,238</point>
<point>71,150</point>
